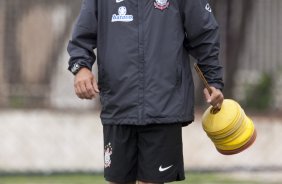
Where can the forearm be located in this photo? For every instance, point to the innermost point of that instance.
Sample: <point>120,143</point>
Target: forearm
<point>84,37</point>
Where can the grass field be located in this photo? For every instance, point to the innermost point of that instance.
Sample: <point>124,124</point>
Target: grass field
<point>195,178</point>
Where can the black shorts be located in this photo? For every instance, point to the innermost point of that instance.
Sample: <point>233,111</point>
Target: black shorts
<point>151,153</point>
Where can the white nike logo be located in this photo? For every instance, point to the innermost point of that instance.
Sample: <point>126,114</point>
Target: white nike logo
<point>118,1</point>
<point>164,169</point>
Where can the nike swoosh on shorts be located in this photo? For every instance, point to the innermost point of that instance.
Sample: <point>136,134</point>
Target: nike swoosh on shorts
<point>164,169</point>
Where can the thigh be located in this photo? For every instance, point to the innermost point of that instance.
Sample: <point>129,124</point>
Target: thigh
<point>160,155</point>
<point>120,153</point>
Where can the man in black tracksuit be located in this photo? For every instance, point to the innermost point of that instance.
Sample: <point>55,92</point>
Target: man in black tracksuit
<point>144,79</point>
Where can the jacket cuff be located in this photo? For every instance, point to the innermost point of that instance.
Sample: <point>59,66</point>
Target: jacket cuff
<point>217,85</point>
<point>82,63</point>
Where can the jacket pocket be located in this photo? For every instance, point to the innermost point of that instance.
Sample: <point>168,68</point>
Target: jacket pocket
<point>103,100</point>
<point>102,82</point>
<point>102,86</point>
<point>179,75</point>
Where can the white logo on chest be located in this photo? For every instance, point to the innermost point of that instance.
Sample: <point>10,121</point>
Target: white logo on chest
<point>208,8</point>
<point>122,17</point>
<point>161,4</point>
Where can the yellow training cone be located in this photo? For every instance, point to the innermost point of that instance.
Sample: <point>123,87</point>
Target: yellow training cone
<point>230,129</point>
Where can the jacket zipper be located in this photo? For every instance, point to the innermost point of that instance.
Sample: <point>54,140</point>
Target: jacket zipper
<point>141,60</point>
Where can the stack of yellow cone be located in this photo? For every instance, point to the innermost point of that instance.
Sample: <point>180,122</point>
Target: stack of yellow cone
<point>230,129</point>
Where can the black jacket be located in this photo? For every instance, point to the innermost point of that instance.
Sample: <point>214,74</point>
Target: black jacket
<point>143,49</point>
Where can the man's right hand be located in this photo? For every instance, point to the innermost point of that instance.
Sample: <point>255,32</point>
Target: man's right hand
<point>85,84</point>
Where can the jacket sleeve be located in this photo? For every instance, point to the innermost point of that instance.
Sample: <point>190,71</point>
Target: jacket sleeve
<point>202,39</point>
<point>84,37</point>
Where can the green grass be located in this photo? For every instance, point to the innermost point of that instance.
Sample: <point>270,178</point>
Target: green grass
<point>193,178</point>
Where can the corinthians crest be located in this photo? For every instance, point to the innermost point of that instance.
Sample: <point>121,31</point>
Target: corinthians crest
<point>108,152</point>
<point>161,4</point>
